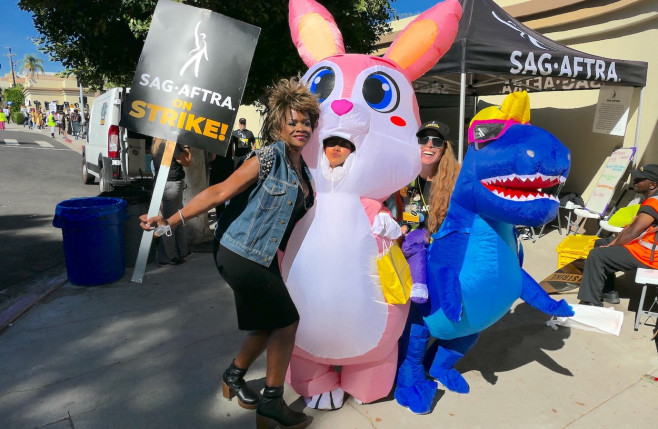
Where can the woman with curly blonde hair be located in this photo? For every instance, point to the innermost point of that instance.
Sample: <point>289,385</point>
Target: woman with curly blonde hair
<point>268,194</point>
<point>424,203</point>
<point>443,182</point>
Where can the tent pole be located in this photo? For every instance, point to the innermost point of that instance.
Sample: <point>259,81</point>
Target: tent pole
<point>637,127</point>
<point>462,116</point>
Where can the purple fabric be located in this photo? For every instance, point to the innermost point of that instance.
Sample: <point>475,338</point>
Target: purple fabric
<point>414,249</point>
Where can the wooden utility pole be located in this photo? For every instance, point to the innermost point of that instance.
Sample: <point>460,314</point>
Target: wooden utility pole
<point>11,63</point>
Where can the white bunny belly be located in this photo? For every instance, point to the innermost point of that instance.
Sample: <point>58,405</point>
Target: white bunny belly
<point>334,282</point>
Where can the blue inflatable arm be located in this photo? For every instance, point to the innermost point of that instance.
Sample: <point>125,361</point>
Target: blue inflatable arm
<point>445,258</point>
<point>537,297</point>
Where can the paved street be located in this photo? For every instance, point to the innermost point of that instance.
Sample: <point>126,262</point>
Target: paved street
<point>36,173</point>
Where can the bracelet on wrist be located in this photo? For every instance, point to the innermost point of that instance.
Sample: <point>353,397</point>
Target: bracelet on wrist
<point>182,219</point>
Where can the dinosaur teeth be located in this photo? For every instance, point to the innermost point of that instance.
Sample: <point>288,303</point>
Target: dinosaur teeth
<point>520,188</point>
<point>524,181</point>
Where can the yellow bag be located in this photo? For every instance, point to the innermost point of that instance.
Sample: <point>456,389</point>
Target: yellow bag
<point>394,274</point>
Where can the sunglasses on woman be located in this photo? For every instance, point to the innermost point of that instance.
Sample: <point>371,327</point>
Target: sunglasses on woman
<point>436,141</point>
<point>331,142</point>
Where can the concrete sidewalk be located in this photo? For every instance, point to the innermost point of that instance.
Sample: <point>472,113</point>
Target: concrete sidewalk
<point>150,355</point>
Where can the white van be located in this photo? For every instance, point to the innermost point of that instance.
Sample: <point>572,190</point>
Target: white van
<point>114,155</point>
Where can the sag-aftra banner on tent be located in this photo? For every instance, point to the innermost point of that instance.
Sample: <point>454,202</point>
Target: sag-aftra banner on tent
<point>500,55</point>
<point>191,76</point>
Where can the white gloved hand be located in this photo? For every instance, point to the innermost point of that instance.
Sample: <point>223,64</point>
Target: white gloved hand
<point>385,226</point>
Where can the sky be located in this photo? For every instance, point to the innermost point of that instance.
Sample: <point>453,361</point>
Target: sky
<point>17,30</point>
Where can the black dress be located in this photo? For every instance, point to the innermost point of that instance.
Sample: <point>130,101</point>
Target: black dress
<point>261,297</point>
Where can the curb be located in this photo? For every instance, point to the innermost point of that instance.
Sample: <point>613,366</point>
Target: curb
<point>29,300</point>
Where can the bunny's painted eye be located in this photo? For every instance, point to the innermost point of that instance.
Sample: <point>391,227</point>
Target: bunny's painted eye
<point>381,92</point>
<point>322,82</point>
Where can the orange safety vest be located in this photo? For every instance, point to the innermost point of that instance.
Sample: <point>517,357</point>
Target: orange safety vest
<point>642,249</point>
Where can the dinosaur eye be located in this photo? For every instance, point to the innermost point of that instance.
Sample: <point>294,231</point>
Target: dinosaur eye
<point>322,83</point>
<point>381,92</point>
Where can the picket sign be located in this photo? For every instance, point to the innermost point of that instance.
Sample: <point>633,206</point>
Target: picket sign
<point>187,87</point>
<point>154,209</point>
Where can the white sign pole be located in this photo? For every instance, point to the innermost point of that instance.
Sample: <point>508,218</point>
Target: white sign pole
<point>154,208</point>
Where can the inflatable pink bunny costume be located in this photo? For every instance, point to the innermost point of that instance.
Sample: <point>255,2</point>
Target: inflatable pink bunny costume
<point>330,261</point>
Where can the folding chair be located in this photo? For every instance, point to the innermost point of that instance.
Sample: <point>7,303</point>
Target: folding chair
<point>646,277</point>
<point>605,187</point>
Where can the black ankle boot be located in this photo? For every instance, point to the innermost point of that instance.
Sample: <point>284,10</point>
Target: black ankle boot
<point>272,408</point>
<point>234,385</point>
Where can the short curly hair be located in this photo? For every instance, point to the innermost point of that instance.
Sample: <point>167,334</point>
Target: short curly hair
<point>286,95</point>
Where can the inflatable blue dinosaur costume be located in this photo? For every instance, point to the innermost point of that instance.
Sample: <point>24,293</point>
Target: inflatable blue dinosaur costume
<point>473,270</point>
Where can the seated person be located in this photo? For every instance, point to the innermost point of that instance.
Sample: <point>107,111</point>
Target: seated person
<point>632,248</point>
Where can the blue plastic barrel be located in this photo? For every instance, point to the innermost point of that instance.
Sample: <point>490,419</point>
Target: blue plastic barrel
<point>92,231</point>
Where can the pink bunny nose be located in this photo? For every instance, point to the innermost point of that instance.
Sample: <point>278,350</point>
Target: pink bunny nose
<point>340,107</point>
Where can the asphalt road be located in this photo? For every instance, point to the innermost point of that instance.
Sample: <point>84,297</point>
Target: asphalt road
<point>36,173</point>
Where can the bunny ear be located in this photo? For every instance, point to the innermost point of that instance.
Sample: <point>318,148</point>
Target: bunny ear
<point>426,39</point>
<point>314,31</point>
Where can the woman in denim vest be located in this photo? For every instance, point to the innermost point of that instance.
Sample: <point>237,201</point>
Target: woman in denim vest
<point>268,194</point>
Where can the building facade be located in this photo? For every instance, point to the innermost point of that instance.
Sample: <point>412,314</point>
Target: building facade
<point>46,88</point>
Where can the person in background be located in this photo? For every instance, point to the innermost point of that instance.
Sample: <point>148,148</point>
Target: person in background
<point>173,249</point>
<point>75,122</point>
<point>64,124</point>
<point>50,120</point>
<point>41,119</point>
<point>243,140</point>
<point>221,167</point>
<point>254,226</point>
<point>634,247</point>
<point>26,116</point>
<point>3,119</point>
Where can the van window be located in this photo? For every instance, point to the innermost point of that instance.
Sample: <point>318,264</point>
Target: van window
<point>103,113</point>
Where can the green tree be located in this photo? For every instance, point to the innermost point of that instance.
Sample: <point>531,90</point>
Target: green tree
<point>15,95</point>
<point>100,41</point>
<point>30,65</point>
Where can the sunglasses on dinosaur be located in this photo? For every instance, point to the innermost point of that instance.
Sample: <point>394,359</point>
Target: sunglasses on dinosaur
<point>483,132</point>
<point>436,141</point>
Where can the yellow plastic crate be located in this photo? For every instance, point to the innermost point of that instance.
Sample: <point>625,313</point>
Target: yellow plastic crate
<point>574,247</point>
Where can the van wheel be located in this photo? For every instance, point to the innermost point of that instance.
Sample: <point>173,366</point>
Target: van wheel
<point>104,186</point>
<point>87,178</point>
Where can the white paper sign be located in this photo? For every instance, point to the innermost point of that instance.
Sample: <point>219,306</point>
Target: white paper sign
<point>612,110</point>
<point>607,183</point>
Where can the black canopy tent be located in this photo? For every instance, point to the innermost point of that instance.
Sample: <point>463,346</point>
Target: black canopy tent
<point>494,54</point>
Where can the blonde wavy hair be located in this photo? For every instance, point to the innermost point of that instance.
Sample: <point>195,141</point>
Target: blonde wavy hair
<point>286,95</point>
<point>443,183</point>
